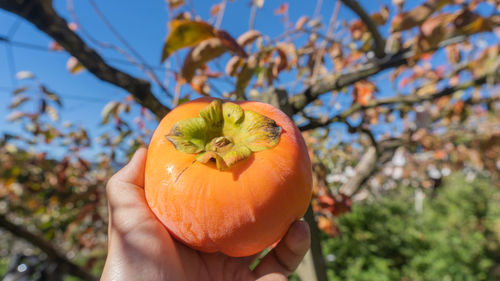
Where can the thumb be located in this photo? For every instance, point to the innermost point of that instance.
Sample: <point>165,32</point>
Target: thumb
<point>126,186</point>
<point>133,172</point>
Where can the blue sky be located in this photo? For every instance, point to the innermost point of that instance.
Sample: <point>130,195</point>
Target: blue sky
<point>144,25</point>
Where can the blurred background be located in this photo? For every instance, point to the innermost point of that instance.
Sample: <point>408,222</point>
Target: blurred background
<point>397,100</point>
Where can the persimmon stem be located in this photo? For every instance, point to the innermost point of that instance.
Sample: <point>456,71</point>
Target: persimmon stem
<point>221,142</point>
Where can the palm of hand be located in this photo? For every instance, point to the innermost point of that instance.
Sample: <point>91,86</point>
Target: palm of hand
<point>140,248</point>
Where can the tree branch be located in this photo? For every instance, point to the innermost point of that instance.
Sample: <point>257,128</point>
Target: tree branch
<point>370,163</point>
<point>364,169</point>
<point>379,43</point>
<point>64,263</point>
<point>372,160</point>
<point>42,14</point>
<point>408,100</point>
<point>335,81</point>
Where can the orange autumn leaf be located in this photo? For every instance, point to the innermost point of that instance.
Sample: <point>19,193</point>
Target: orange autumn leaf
<point>283,9</point>
<point>363,92</point>
<point>215,9</point>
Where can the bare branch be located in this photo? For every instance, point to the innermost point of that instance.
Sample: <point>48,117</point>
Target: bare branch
<point>364,169</point>
<point>317,10</point>
<point>42,14</point>
<point>49,249</point>
<point>363,128</point>
<point>379,43</point>
<point>409,100</point>
<point>372,160</point>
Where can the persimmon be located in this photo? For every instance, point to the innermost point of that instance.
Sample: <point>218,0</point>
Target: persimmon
<point>227,176</point>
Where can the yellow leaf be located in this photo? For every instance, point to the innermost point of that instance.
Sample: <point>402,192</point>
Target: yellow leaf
<point>478,25</point>
<point>74,66</point>
<point>175,3</point>
<point>186,33</point>
<point>380,18</point>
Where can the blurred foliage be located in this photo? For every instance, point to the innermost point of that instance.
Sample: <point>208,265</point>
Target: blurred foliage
<point>455,237</point>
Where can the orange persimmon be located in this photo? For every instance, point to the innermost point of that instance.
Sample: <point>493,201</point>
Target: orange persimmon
<point>227,176</point>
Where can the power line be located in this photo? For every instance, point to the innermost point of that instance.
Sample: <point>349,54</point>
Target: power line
<point>14,27</point>
<point>36,47</point>
<point>66,96</point>
<point>12,65</point>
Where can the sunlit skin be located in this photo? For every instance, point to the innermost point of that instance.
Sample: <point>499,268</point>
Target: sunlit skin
<point>140,247</point>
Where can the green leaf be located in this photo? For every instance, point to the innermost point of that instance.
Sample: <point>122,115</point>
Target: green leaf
<point>186,33</point>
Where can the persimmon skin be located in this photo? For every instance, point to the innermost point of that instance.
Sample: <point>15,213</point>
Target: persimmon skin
<point>239,211</point>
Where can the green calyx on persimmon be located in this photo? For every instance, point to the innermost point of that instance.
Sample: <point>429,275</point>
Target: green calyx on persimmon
<point>224,133</point>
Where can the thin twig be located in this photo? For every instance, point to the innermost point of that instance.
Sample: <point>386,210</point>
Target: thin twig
<point>253,15</point>
<point>408,100</point>
<point>49,21</point>
<point>335,81</point>
<point>12,64</point>
<point>149,72</point>
<point>220,14</point>
<point>324,43</point>
<point>379,43</point>
<point>317,10</point>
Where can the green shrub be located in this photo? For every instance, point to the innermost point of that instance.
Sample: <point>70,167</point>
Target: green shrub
<point>456,236</point>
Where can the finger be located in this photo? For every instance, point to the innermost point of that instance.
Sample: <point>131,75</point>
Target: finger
<point>133,172</point>
<point>289,252</point>
<point>125,188</point>
<point>273,277</point>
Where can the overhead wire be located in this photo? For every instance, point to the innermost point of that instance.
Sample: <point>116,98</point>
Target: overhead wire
<point>66,96</point>
<point>26,45</point>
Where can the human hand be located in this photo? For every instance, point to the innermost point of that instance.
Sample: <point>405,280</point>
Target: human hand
<point>141,248</point>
